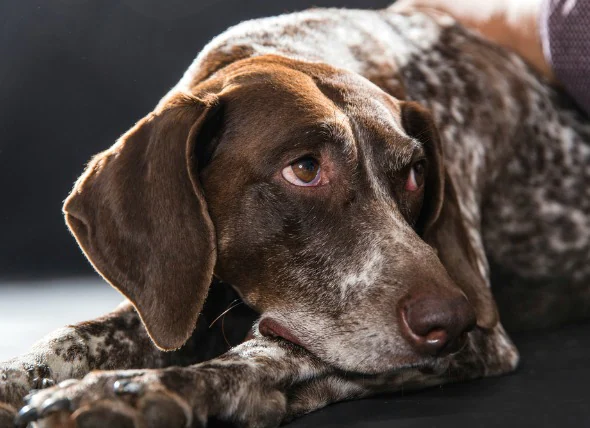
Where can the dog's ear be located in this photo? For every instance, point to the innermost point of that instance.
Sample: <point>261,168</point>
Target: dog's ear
<point>441,223</point>
<point>140,216</point>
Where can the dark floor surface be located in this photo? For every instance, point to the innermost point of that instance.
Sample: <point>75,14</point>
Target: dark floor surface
<point>550,389</point>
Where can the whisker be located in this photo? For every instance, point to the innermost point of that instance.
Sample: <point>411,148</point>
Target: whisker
<point>223,327</point>
<point>226,311</point>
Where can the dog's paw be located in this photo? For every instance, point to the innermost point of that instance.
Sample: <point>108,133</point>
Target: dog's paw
<point>18,378</point>
<point>113,399</point>
<point>170,398</point>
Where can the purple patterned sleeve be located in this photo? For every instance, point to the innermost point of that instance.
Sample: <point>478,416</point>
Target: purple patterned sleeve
<point>565,34</point>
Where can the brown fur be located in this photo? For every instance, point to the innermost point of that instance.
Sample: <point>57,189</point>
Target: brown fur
<point>135,201</point>
<point>194,192</point>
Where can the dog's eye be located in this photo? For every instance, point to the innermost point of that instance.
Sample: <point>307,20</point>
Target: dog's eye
<point>416,176</point>
<point>303,172</point>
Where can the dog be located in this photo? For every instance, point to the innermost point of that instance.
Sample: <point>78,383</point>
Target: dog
<point>315,213</point>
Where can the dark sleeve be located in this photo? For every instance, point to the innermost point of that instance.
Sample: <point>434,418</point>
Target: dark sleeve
<point>565,34</point>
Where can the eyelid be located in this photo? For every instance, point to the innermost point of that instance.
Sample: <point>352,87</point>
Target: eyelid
<point>418,155</point>
<point>290,159</point>
<point>421,159</point>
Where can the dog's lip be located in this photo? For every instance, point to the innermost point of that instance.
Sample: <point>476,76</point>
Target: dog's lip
<point>268,326</point>
<point>272,328</point>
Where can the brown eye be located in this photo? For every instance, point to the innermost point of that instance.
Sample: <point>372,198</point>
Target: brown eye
<point>303,172</point>
<point>306,169</point>
<point>416,176</point>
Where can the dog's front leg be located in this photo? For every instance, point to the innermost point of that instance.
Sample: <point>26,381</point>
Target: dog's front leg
<point>261,383</point>
<point>115,341</point>
<point>250,385</point>
<point>119,341</point>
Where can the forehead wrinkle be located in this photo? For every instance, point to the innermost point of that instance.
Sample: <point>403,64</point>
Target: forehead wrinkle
<point>337,127</point>
<point>368,162</point>
<point>402,146</point>
<point>399,153</point>
<point>402,154</point>
<point>384,117</point>
<point>334,124</point>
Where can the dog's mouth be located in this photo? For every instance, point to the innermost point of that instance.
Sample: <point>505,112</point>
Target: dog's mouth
<point>270,327</point>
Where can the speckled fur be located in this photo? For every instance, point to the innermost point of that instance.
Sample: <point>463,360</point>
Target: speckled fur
<point>518,154</point>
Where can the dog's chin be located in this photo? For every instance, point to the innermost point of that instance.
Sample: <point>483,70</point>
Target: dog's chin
<point>406,376</point>
<point>377,365</point>
<point>393,367</point>
<point>360,354</point>
<point>380,364</point>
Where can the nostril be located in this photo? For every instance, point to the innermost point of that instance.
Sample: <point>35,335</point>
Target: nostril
<point>437,326</point>
<point>423,339</point>
<point>437,337</point>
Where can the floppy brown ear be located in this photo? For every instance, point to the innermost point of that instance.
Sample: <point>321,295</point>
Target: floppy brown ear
<point>441,223</point>
<point>139,215</point>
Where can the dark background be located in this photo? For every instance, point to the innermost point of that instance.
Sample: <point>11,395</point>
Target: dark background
<point>75,75</point>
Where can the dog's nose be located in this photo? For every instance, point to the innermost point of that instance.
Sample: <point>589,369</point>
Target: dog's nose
<point>437,325</point>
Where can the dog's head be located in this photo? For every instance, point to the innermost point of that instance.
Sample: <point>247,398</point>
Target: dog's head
<point>322,199</point>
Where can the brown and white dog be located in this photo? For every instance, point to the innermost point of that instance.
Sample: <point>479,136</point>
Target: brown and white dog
<point>343,171</point>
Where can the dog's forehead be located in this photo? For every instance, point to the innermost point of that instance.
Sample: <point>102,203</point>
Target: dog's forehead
<point>347,105</point>
<point>275,104</point>
<point>362,108</point>
<point>284,87</point>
